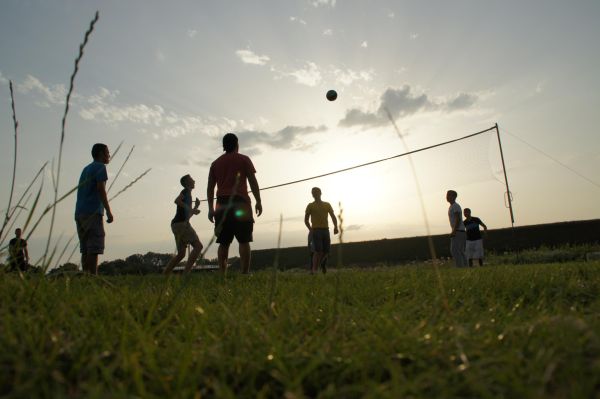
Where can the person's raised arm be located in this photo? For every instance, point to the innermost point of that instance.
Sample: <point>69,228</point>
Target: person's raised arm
<point>101,186</point>
<point>256,192</point>
<point>334,220</point>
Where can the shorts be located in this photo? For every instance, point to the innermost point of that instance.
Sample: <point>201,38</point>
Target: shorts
<point>320,240</point>
<point>474,249</point>
<point>233,219</point>
<point>18,264</point>
<point>184,234</point>
<point>90,230</point>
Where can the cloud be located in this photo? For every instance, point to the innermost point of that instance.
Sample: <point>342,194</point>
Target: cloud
<point>364,44</point>
<point>348,76</point>
<point>3,80</point>
<point>103,107</point>
<point>319,3</point>
<point>414,36</point>
<point>192,33</point>
<point>290,138</point>
<point>51,95</point>
<point>99,107</point>
<point>391,14</point>
<point>403,102</point>
<point>160,56</point>
<point>151,119</point>
<point>461,101</point>
<point>249,57</point>
<point>310,75</point>
<point>299,20</point>
<point>328,32</point>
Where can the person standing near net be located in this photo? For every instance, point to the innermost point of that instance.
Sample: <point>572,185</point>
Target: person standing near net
<point>318,227</point>
<point>457,235</point>
<point>90,206</point>
<point>233,213</point>
<point>181,227</point>
<point>474,245</point>
<point>18,254</point>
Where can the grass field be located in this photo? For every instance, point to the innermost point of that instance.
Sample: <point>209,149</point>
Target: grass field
<point>508,331</point>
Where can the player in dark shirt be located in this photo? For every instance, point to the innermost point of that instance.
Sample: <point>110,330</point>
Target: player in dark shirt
<point>474,246</point>
<point>18,254</point>
<point>182,229</point>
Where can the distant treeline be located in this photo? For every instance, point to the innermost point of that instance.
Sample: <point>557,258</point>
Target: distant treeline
<point>386,251</point>
<point>148,263</point>
<point>404,250</point>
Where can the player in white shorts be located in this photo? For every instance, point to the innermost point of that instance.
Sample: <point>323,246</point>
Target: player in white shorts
<point>474,246</point>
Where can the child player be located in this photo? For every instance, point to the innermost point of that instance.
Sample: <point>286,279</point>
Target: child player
<point>182,229</point>
<point>474,245</point>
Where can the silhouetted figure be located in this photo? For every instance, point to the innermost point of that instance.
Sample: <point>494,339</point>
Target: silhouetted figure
<point>457,235</point>
<point>17,251</point>
<point>318,227</point>
<point>89,209</point>
<point>233,213</point>
<point>181,227</point>
<point>474,245</point>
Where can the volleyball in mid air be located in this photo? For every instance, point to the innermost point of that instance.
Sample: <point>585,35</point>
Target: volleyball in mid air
<point>331,95</point>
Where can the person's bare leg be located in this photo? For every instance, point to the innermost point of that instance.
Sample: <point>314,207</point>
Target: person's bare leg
<point>223,254</point>
<point>90,264</point>
<point>174,261</point>
<point>317,258</point>
<point>245,256</point>
<point>197,247</point>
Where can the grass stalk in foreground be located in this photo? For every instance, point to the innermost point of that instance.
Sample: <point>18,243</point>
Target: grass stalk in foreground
<point>63,125</point>
<point>14,172</point>
<point>275,268</point>
<point>120,169</point>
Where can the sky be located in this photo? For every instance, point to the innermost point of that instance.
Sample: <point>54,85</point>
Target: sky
<point>169,79</point>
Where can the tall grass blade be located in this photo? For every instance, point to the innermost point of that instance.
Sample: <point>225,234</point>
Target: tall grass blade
<point>64,250</point>
<point>75,247</point>
<point>275,267</point>
<point>14,218</point>
<point>339,261</point>
<point>14,172</point>
<point>49,208</point>
<point>120,169</point>
<point>49,259</point>
<point>63,124</point>
<point>418,186</point>
<point>20,201</point>
<point>116,151</point>
<point>33,207</point>
<point>54,186</point>
<point>131,184</point>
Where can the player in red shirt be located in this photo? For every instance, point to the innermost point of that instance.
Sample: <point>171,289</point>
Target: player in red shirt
<point>233,213</point>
